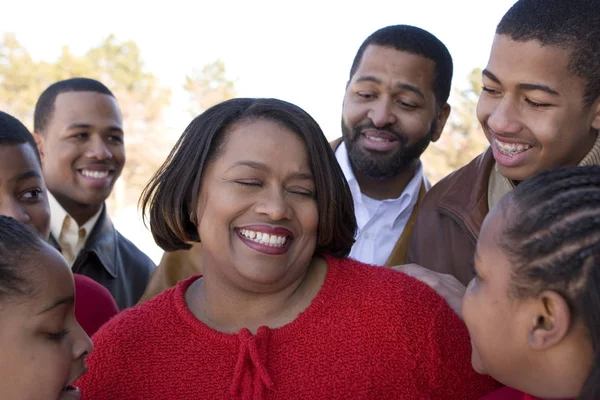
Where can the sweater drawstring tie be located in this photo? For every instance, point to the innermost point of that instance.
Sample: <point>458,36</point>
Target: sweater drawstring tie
<point>250,376</point>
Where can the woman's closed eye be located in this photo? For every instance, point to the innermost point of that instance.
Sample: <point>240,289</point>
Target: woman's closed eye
<point>301,191</point>
<point>249,182</point>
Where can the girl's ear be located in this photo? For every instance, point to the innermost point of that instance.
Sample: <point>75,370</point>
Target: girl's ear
<point>551,321</point>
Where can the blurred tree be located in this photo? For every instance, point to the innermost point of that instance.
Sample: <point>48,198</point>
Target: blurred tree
<point>208,86</point>
<point>120,67</point>
<point>462,139</point>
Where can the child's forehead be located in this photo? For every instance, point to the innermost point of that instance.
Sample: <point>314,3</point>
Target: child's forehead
<point>17,158</point>
<point>48,279</point>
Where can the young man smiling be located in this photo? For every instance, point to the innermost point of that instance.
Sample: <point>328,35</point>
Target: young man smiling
<point>78,130</point>
<point>539,109</point>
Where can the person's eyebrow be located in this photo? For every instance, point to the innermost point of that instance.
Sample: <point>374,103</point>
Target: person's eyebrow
<point>251,164</point>
<point>58,302</point>
<point>543,88</point>
<point>368,78</point>
<point>263,167</point>
<point>403,86</point>
<point>491,76</point>
<point>522,86</point>
<point>27,175</point>
<point>79,125</point>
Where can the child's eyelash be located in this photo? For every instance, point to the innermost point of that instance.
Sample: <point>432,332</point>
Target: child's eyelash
<point>57,336</point>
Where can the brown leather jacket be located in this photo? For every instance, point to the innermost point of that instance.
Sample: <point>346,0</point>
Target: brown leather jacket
<point>177,265</point>
<point>450,218</point>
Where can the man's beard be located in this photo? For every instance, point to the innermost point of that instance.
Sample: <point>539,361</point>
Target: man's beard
<point>383,166</point>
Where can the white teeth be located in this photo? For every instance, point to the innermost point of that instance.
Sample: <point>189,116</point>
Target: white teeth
<point>510,149</point>
<point>264,238</point>
<point>95,174</point>
<point>377,139</point>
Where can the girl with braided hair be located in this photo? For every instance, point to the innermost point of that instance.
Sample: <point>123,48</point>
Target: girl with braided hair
<point>533,307</point>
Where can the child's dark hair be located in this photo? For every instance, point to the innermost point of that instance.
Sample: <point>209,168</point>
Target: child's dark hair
<point>14,133</point>
<point>569,24</point>
<point>553,239</point>
<point>18,242</point>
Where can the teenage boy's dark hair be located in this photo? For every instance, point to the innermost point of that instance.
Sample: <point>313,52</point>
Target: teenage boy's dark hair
<point>569,24</point>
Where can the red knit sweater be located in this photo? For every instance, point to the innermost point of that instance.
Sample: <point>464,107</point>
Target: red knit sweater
<point>370,333</point>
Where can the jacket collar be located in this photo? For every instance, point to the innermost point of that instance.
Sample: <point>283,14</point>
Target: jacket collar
<point>465,200</point>
<point>335,144</point>
<point>102,242</point>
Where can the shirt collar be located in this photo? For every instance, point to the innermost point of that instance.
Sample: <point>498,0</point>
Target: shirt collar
<point>58,215</point>
<point>341,154</point>
<point>412,189</point>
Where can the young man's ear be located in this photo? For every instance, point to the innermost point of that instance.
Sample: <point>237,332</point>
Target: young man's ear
<point>39,141</point>
<point>550,322</point>
<point>441,119</point>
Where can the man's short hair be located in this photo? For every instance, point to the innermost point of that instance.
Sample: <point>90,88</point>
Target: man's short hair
<point>419,42</point>
<point>45,104</point>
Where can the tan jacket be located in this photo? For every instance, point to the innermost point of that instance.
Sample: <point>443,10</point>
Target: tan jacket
<point>178,265</point>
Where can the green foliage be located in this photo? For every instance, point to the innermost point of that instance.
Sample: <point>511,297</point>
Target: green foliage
<point>120,67</point>
<point>208,87</point>
<point>462,139</point>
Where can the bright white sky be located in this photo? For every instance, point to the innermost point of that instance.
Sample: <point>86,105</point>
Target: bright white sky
<point>296,51</point>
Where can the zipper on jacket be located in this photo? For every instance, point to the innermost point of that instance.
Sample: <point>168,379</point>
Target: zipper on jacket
<point>459,222</point>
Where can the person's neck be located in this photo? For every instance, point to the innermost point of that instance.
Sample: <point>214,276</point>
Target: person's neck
<point>382,189</point>
<point>81,213</point>
<point>228,309</point>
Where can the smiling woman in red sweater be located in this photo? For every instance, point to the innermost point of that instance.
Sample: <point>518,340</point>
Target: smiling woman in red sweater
<point>279,312</point>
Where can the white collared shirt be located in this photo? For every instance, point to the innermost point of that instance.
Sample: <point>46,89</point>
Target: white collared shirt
<point>380,222</point>
<point>70,237</point>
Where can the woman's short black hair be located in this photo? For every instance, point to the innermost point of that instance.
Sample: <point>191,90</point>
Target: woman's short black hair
<point>170,199</point>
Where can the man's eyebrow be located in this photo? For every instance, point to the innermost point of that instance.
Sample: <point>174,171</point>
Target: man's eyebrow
<point>522,86</point>
<point>81,125</point>
<point>368,78</point>
<point>491,76</point>
<point>543,88</point>
<point>404,86</point>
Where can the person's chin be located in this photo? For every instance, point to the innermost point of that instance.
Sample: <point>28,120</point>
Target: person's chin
<point>94,199</point>
<point>476,362</point>
<point>517,174</point>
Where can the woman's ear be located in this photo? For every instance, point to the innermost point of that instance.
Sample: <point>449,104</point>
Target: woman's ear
<point>551,321</point>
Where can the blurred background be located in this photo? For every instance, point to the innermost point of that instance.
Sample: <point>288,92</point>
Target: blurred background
<point>167,62</point>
